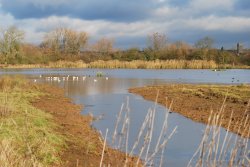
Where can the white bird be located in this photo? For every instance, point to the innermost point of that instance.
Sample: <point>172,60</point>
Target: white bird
<point>107,78</point>
<point>34,80</point>
<point>83,78</point>
<point>40,76</point>
<point>95,80</point>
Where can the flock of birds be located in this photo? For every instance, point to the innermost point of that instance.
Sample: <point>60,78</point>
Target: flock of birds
<point>66,78</point>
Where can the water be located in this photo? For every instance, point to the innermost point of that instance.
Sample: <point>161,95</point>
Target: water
<point>104,98</point>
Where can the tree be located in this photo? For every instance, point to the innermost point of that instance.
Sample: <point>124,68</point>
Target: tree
<point>104,46</point>
<point>157,41</point>
<point>66,41</point>
<point>204,43</point>
<point>157,44</point>
<point>10,41</point>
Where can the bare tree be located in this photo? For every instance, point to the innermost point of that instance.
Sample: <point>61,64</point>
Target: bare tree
<point>10,41</point>
<point>104,45</point>
<point>204,43</point>
<point>157,41</point>
<point>66,41</point>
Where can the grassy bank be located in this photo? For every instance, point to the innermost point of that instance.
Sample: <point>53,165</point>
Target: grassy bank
<point>27,134</point>
<point>197,101</point>
<point>39,127</point>
<point>135,64</point>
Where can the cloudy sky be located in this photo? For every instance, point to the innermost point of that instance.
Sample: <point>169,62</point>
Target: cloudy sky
<point>130,21</point>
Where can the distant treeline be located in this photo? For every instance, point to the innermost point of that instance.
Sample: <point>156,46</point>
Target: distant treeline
<point>69,45</point>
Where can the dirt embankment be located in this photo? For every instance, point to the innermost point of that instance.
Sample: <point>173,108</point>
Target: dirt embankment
<point>83,144</point>
<point>197,101</point>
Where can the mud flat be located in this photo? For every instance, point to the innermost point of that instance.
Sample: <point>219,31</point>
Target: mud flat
<point>197,101</point>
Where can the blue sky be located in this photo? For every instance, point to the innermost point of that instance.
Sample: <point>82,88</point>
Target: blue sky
<point>130,21</point>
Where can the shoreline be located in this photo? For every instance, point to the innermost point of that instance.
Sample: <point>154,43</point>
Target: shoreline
<point>83,143</point>
<point>196,102</point>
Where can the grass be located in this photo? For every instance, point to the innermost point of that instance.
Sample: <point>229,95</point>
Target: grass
<point>27,135</point>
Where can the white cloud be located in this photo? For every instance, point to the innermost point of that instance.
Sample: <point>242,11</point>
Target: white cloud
<point>173,21</point>
<point>211,5</point>
<point>213,23</point>
<point>6,20</point>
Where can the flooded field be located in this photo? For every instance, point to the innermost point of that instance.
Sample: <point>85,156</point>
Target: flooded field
<point>103,97</point>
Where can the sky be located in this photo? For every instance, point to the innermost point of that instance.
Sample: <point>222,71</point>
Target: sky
<point>129,22</point>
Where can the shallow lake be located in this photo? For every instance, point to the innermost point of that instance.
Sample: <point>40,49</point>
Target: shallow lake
<point>103,98</point>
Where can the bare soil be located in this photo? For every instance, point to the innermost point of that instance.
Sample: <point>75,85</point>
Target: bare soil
<point>83,143</point>
<point>197,101</point>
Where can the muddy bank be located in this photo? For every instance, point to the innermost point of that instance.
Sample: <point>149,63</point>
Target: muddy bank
<point>197,101</point>
<point>83,144</point>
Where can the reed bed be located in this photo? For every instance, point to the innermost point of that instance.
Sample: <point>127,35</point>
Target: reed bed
<point>67,64</point>
<point>56,64</point>
<point>135,64</point>
<point>157,64</point>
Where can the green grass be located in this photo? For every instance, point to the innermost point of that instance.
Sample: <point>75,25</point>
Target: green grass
<point>29,132</point>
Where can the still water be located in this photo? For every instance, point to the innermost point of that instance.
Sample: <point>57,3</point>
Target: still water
<point>103,97</point>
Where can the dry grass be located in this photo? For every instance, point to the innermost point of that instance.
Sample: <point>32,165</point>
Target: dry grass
<point>57,64</point>
<point>157,64</point>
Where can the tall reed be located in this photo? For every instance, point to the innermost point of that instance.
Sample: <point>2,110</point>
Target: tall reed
<point>217,151</point>
<point>143,144</point>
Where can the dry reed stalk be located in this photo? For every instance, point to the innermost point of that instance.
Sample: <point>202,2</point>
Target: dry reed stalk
<point>165,125</point>
<point>147,128</point>
<point>146,138</point>
<point>151,129</point>
<point>118,118</point>
<point>152,124</point>
<point>127,129</point>
<point>103,149</point>
<point>224,141</point>
<point>145,122</point>
<point>164,143</point>
<point>212,153</point>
